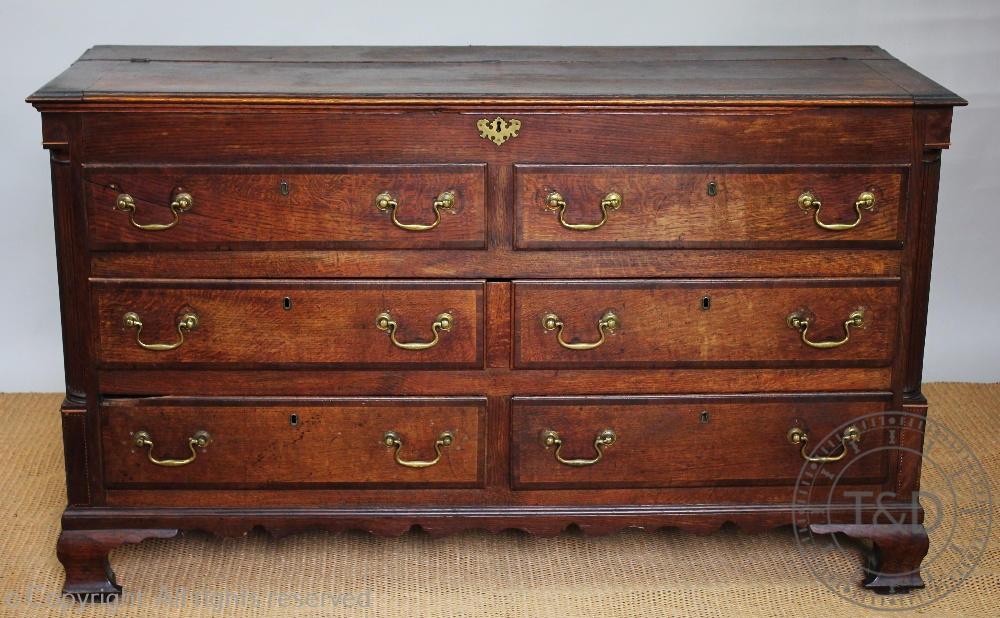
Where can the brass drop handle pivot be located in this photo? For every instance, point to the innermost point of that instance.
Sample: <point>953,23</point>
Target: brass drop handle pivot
<point>607,437</point>
<point>807,201</point>
<point>797,435</point>
<point>200,439</point>
<point>386,203</point>
<point>443,322</point>
<point>187,322</point>
<point>799,322</point>
<point>608,323</point>
<point>555,202</point>
<point>182,202</point>
<point>392,440</point>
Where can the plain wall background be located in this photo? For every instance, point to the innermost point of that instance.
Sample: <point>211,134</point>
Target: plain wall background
<point>955,43</point>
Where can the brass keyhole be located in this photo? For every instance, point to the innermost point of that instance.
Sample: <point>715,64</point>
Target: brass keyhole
<point>283,187</point>
<point>293,420</point>
<point>706,303</point>
<point>286,304</point>
<point>713,189</point>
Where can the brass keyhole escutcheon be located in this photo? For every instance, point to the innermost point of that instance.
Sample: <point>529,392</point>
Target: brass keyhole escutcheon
<point>498,130</point>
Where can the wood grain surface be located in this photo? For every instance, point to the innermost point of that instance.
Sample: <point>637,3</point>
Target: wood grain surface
<point>332,323</point>
<point>319,207</point>
<point>329,443</point>
<point>692,206</point>
<point>663,442</point>
<point>664,323</point>
<point>684,73</point>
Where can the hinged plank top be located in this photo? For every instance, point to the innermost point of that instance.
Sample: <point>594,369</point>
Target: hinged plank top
<point>609,75</point>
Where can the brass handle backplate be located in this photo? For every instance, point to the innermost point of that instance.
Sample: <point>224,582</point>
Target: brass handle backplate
<point>554,201</point>
<point>807,201</point>
<point>443,322</point>
<point>200,439</point>
<point>392,440</point>
<point>188,321</point>
<point>797,435</point>
<point>797,321</point>
<point>386,203</point>
<point>182,202</point>
<point>607,324</point>
<point>606,438</point>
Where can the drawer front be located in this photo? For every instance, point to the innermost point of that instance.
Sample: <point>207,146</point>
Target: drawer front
<point>688,206</point>
<point>731,135</point>
<point>382,324</point>
<point>688,442</point>
<point>690,323</point>
<point>295,442</point>
<point>429,206</point>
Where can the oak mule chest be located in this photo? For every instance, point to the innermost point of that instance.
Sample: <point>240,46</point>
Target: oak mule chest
<point>457,288</point>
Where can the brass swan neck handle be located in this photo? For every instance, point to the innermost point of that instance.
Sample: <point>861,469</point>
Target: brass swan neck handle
<point>607,324</point>
<point>392,440</point>
<point>443,322</point>
<point>807,201</point>
<point>797,435</point>
<point>181,202</point>
<point>554,201</point>
<point>187,322</point>
<point>387,203</point>
<point>605,438</point>
<point>200,439</point>
<point>797,321</point>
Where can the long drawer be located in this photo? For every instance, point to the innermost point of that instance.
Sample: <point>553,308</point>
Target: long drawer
<point>271,443</point>
<point>691,441</point>
<point>377,324</point>
<point>661,323</point>
<point>649,206</point>
<point>273,206</point>
<point>745,135</point>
